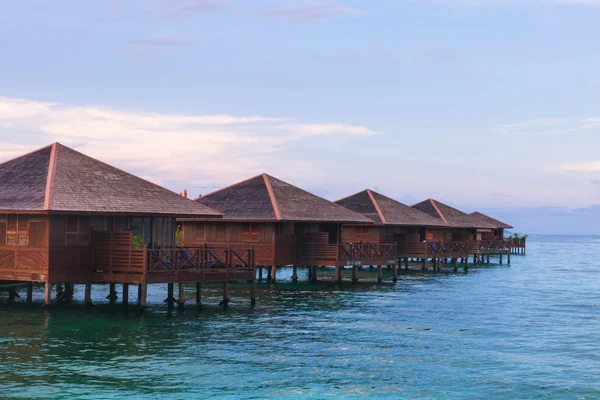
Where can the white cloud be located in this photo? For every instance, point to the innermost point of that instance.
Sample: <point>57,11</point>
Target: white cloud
<point>587,166</point>
<point>167,147</point>
<point>311,12</point>
<point>546,126</point>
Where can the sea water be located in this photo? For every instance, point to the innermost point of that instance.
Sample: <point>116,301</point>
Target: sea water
<point>528,330</point>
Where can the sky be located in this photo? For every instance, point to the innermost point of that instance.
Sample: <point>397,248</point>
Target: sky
<point>488,105</point>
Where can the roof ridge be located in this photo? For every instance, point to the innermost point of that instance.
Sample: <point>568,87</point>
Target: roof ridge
<point>272,197</point>
<point>352,195</point>
<point>230,186</point>
<point>49,195</point>
<point>438,210</point>
<point>381,216</point>
<point>27,154</point>
<point>405,205</point>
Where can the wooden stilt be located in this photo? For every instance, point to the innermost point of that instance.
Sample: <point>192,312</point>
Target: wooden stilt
<point>269,276</point>
<point>379,274</point>
<point>354,273</point>
<point>508,258</point>
<point>68,291</point>
<point>139,288</point>
<point>253,293</point>
<point>125,294</point>
<point>406,263</point>
<point>260,273</point>
<point>500,258</point>
<point>395,273</point>
<point>337,275</point>
<point>466,268</point>
<point>225,302</point>
<point>47,293</point>
<point>181,294</point>
<point>198,293</point>
<point>424,267</point>
<point>170,290</point>
<point>88,294</point>
<point>143,294</point>
<point>273,273</point>
<point>112,293</point>
<point>294,274</point>
<point>29,292</point>
<point>313,277</point>
<point>455,264</point>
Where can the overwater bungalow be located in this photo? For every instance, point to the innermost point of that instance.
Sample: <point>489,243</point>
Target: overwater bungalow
<point>517,245</point>
<point>285,225</point>
<point>465,235</point>
<point>66,217</point>
<point>393,222</point>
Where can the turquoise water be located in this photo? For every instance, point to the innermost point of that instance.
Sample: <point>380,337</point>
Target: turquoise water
<point>530,330</point>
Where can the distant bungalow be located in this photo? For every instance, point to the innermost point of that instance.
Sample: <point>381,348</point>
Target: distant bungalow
<point>285,224</point>
<point>66,217</point>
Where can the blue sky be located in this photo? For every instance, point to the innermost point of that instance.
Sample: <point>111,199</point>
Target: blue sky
<point>489,105</point>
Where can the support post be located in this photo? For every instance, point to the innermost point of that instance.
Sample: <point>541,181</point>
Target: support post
<point>112,293</point>
<point>379,274</point>
<point>225,301</point>
<point>406,263</point>
<point>143,294</point>
<point>68,291</point>
<point>295,274</point>
<point>253,292</point>
<point>508,258</point>
<point>198,293</point>
<point>170,290</point>
<point>47,293</point>
<point>395,273</point>
<point>181,295</point>
<point>313,276</point>
<point>500,258</point>
<point>455,264</point>
<point>260,273</point>
<point>354,273</point>
<point>29,292</point>
<point>337,275</point>
<point>466,268</point>
<point>125,294</point>
<point>88,294</point>
<point>424,267</point>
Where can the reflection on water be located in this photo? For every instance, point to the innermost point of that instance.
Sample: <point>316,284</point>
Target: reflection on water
<point>528,330</point>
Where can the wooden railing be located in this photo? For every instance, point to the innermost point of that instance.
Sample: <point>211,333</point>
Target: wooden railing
<point>315,247</point>
<point>197,259</point>
<point>411,248</point>
<point>369,253</point>
<point>445,249</point>
<point>494,245</point>
<point>516,243</point>
<point>113,252</point>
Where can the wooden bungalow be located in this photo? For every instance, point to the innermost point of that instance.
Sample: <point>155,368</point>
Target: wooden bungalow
<point>499,226</point>
<point>66,217</point>
<point>285,224</point>
<point>465,236</point>
<point>393,222</point>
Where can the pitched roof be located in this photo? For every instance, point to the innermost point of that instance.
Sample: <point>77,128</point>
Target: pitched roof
<point>57,178</point>
<point>451,216</point>
<point>265,198</point>
<point>486,218</point>
<point>385,210</point>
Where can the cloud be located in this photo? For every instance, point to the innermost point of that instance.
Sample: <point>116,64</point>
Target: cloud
<point>546,126</point>
<point>206,149</point>
<point>587,166</point>
<point>596,182</point>
<point>307,13</point>
<point>162,41</point>
<point>178,8</point>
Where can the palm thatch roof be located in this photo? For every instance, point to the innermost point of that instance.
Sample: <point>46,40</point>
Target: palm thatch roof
<point>451,216</point>
<point>265,198</point>
<point>387,211</point>
<point>58,179</point>
<point>486,218</point>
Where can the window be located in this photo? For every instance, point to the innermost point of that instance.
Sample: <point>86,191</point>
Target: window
<point>362,233</point>
<point>2,233</point>
<point>77,231</point>
<point>221,232</point>
<point>37,234</point>
<point>16,231</point>
<point>250,233</point>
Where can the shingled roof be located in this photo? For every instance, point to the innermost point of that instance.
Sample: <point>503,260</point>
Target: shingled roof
<point>486,218</point>
<point>387,211</point>
<point>265,198</point>
<point>451,216</point>
<point>57,179</point>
